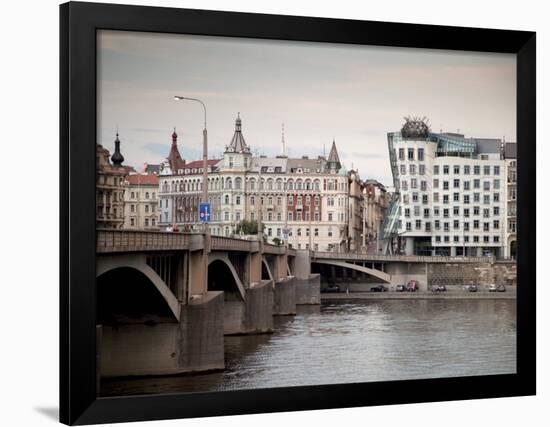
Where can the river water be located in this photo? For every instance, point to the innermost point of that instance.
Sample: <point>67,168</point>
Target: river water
<point>359,341</point>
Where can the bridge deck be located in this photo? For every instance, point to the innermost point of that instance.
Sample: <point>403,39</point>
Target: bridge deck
<point>398,258</point>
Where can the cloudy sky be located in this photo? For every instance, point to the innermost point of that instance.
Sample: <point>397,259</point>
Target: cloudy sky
<point>354,94</point>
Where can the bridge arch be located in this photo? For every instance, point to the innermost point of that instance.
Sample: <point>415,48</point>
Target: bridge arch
<point>218,267</point>
<point>370,271</point>
<point>138,262</point>
<point>267,269</point>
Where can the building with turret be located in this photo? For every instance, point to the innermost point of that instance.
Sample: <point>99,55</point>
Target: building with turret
<point>303,200</point>
<point>110,187</point>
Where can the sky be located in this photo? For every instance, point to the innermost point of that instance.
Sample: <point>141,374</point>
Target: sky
<point>320,91</point>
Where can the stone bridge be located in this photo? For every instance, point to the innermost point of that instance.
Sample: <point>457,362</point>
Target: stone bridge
<point>166,300</point>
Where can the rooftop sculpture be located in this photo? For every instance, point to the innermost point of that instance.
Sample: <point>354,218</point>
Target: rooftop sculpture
<point>415,127</point>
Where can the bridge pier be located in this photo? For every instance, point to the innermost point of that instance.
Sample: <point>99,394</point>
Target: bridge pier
<point>308,285</point>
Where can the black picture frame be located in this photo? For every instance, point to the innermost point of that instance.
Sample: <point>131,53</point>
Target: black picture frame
<point>78,25</point>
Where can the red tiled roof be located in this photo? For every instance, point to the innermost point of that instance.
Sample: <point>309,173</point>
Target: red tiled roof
<point>142,179</point>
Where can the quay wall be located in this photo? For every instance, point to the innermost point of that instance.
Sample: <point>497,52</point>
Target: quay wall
<point>308,290</point>
<point>483,274</point>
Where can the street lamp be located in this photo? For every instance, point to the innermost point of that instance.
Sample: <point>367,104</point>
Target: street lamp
<point>204,152</point>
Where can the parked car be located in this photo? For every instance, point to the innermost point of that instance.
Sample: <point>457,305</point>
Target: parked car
<point>412,286</point>
<point>400,288</point>
<point>331,288</point>
<point>378,288</point>
<point>471,288</point>
<point>501,288</point>
<point>492,288</point>
<point>439,288</point>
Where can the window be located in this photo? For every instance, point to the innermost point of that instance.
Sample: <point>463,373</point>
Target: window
<point>424,199</point>
<point>476,183</point>
<point>456,197</point>
<point>401,154</point>
<point>316,232</point>
<point>436,211</point>
<point>226,199</point>
<point>407,212</point>
<point>436,224</point>
<point>420,154</point>
<point>456,169</point>
<point>290,216</point>
<point>477,170</point>
<point>421,169</point>
<point>445,185</point>
<point>426,213</point>
<point>412,169</point>
<point>417,211</point>
<point>418,224</point>
<point>410,153</point>
<point>446,226</point>
<point>290,200</point>
<point>403,170</point>
<point>413,183</point>
<point>456,224</point>
<point>238,200</point>
<point>476,210</point>
<point>476,197</point>
<point>428,226</point>
<point>436,169</point>
<point>486,170</point>
<point>446,199</point>
<point>455,239</point>
<point>496,211</point>
<point>466,226</point>
<point>466,185</point>
<point>476,224</point>
<point>456,211</point>
<point>496,170</point>
<point>466,199</point>
<point>486,185</point>
<point>496,184</point>
<point>404,185</point>
<point>408,226</point>
<point>496,224</point>
<point>415,197</point>
<point>445,169</point>
<point>436,183</point>
<point>456,183</point>
<point>438,239</point>
<point>486,199</point>
<point>496,239</point>
<point>446,213</point>
<point>466,169</point>
<point>485,226</point>
<point>423,185</point>
<point>436,197</point>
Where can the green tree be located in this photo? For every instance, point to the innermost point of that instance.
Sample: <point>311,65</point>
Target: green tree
<point>247,227</point>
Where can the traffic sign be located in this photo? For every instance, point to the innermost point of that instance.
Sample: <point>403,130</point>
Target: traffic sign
<point>204,212</point>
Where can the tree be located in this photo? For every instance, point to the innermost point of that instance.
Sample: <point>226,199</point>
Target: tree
<point>247,227</point>
<point>277,241</point>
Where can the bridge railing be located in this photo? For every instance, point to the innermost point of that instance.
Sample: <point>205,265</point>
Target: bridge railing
<point>274,249</point>
<point>139,240</point>
<point>402,258</point>
<point>219,243</point>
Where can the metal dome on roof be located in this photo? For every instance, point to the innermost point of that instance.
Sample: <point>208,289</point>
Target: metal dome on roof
<point>117,158</point>
<point>415,127</point>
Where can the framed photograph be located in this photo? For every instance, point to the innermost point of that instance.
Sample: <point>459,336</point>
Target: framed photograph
<point>265,213</point>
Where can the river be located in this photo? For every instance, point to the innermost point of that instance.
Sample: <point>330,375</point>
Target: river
<point>359,341</point>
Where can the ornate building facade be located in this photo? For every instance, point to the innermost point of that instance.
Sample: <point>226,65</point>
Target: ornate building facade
<point>303,200</point>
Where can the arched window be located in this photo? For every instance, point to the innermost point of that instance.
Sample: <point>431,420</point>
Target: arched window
<point>316,185</point>
<point>262,183</point>
<point>252,184</point>
<point>290,184</point>
<point>228,183</point>
<point>238,183</point>
<point>270,184</point>
<point>226,199</point>
<point>299,184</point>
<point>279,184</point>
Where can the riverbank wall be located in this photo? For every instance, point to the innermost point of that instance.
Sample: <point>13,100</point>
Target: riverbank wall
<point>284,297</point>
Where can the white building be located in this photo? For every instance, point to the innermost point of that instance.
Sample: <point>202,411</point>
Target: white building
<point>510,156</point>
<point>303,200</point>
<point>450,193</point>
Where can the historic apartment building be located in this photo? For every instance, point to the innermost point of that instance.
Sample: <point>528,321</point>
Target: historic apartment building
<point>303,200</point>
<point>451,193</point>
<point>110,187</point>
<point>141,201</point>
<point>375,204</point>
<point>510,157</point>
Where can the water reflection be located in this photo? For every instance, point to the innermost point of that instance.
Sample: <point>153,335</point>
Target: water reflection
<point>341,342</point>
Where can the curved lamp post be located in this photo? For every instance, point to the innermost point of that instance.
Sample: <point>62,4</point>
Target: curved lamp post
<point>204,152</point>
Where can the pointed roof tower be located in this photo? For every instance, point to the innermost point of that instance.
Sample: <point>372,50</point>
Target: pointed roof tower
<point>117,158</point>
<point>174,157</point>
<point>333,161</point>
<point>237,144</point>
